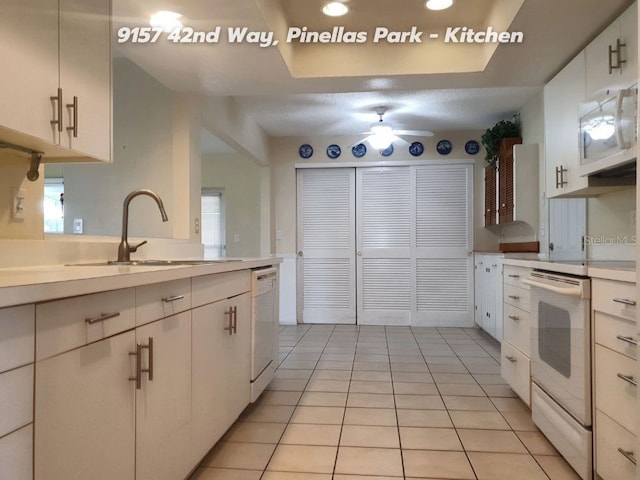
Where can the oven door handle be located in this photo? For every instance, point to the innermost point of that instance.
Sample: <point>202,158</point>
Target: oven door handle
<point>570,291</point>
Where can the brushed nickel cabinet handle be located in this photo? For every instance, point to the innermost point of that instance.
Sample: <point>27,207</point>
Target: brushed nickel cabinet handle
<point>610,59</point>
<point>138,377</point>
<point>229,327</point>
<point>514,276</point>
<point>618,52</point>
<point>514,318</point>
<point>629,340</point>
<point>101,318</point>
<point>625,301</point>
<point>628,379</point>
<point>58,100</point>
<point>149,346</point>
<point>628,455</point>
<point>511,359</point>
<point>173,298</point>
<point>235,320</point>
<point>514,297</point>
<point>74,127</point>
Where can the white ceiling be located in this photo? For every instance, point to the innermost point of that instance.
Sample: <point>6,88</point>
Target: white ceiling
<point>286,104</point>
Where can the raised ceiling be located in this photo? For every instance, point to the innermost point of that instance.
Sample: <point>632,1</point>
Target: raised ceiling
<point>293,89</point>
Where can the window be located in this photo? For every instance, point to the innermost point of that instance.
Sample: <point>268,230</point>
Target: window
<point>212,223</point>
<point>53,205</point>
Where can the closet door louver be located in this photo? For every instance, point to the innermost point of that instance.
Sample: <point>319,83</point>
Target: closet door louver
<point>326,246</point>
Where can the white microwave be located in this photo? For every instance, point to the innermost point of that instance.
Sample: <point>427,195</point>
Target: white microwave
<point>609,131</point>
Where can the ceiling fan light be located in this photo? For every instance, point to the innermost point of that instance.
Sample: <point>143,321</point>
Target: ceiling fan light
<point>335,9</point>
<point>166,20</point>
<point>381,140</point>
<point>438,4</point>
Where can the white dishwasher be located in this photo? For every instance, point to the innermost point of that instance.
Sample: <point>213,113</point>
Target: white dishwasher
<point>264,329</point>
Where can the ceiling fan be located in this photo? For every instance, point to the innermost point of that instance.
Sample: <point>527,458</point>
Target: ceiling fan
<point>382,134</point>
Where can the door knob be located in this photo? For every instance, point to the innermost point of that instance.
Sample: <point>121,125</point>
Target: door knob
<point>300,254</point>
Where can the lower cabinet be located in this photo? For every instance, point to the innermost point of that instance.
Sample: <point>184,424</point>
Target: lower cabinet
<point>488,293</point>
<point>16,454</point>
<point>92,422</point>
<point>221,369</point>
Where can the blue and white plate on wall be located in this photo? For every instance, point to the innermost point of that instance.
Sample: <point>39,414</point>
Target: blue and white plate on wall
<point>333,151</point>
<point>388,151</point>
<point>472,147</point>
<point>359,150</point>
<point>416,149</point>
<point>305,151</point>
<point>444,147</point>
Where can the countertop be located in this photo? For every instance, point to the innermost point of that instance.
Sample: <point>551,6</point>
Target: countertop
<point>21,285</point>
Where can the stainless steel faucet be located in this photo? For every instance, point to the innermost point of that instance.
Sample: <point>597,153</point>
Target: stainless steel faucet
<point>124,249</point>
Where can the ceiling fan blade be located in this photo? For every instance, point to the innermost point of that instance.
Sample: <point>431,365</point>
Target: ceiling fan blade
<point>414,133</point>
<point>363,139</point>
<point>401,141</point>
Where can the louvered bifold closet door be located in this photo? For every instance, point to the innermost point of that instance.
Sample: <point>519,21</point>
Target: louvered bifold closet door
<point>443,242</point>
<point>384,218</point>
<point>326,246</point>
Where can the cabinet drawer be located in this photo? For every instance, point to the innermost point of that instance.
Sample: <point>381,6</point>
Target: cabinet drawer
<point>616,333</point>
<point>517,297</point>
<point>615,396</point>
<point>516,326</point>
<point>514,275</point>
<point>16,399</point>
<point>62,325</point>
<point>611,464</point>
<point>161,300</point>
<point>17,326</point>
<point>16,455</point>
<point>516,370</point>
<point>211,288</point>
<point>614,297</point>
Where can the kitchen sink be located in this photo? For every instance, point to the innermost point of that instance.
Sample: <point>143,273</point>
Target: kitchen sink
<point>154,263</point>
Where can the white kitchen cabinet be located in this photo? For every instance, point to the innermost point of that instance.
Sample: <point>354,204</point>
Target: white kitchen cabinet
<point>612,58</point>
<point>16,455</point>
<point>17,330</point>
<point>221,369</point>
<point>488,293</point>
<point>60,78</point>
<point>85,412</point>
<point>615,378</point>
<point>163,403</point>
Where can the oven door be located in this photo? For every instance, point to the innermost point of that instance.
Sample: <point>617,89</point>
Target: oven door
<point>560,343</point>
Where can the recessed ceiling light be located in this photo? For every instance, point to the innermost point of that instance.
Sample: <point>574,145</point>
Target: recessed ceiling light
<point>166,20</point>
<point>438,4</point>
<point>335,9</point>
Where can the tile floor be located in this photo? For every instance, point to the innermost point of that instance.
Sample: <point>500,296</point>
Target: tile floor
<point>368,402</point>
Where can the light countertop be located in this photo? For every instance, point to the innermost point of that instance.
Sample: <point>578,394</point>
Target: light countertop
<point>21,285</point>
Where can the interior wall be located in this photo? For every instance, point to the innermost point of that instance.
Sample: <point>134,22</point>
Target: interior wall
<point>13,171</point>
<point>610,227</point>
<point>241,180</point>
<point>142,158</point>
<point>284,156</point>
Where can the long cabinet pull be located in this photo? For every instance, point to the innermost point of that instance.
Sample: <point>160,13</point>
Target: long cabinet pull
<point>514,276</point>
<point>511,359</point>
<point>138,376</point>
<point>514,297</point>
<point>629,340</point>
<point>149,370</point>
<point>235,319</point>
<point>58,100</point>
<point>74,127</point>
<point>628,455</point>
<point>618,52</point>
<point>173,298</point>
<point>628,379</point>
<point>514,318</point>
<point>625,301</point>
<point>101,318</point>
<point>229,327</point>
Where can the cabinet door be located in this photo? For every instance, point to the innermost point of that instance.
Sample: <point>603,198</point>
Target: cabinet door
<point>629,37</point>
<point>29,76</point>
<point>84,413</point>
<point>239,355</point>
<point>506,181</point>
<point>85,73</point>
<point>163,404</point>
<point>209,367</point>
<point>562,96</point>
<point>490,196</point>
<point>479,289</point>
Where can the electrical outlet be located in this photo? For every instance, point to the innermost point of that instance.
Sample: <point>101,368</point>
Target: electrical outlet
<point>236,238</point>
<point>197,229</point>
<point>19,195</point>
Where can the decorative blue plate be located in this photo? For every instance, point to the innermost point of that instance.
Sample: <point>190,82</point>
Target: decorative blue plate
<point>472,147</point>
<point>305,151</point>
<point>388,152</point>
<point>359,150</point>
<point>444,147</point>
<point>333,151</point>
<point>416,149</point>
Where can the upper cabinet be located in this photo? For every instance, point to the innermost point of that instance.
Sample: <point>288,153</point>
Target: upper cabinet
<point>612,58</point>
<point>57,91</point>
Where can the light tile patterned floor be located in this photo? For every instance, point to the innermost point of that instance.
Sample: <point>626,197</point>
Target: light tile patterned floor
<point>381,403</point>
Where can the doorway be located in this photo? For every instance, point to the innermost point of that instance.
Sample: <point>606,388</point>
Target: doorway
<point>386,245</point>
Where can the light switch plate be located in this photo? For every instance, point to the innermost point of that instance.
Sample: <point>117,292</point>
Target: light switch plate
<point>78,226</point>
<point>17,211</point>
